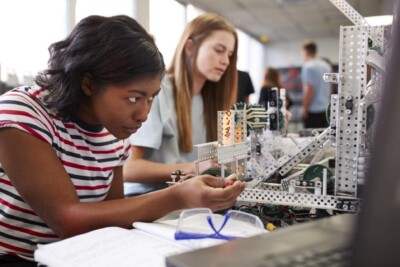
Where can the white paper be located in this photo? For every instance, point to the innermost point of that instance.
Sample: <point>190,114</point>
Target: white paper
<point>111,246</point>
<point>148,245</point>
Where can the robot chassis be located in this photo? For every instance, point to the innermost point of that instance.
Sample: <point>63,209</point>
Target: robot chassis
<point>351,113</point>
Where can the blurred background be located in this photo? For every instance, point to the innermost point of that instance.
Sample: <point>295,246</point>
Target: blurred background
<point>271,32</point>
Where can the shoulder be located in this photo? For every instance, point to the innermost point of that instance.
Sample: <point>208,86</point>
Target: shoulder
<point>28,99</point>
<point>265,88</point>
<point>20,93</point>
<point>166,87</point>
<point>166,84</point>
<point>312,66</point>
<point>24,108</point>
<point>324,64</point>
<point>243,75</point>
<point>308,64</point>
<point>166,96</point>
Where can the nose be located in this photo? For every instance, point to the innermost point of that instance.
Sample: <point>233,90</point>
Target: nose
<point>141,112</point>
<point>225,59</point>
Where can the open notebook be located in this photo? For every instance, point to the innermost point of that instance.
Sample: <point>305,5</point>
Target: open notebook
<point>146,245</point>
<point>111,246</point>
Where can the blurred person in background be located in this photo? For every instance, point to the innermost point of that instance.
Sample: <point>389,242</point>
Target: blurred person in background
<point>245,87</point>
<point>316,92</point>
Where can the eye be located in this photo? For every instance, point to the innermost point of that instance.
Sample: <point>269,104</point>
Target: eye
<point>134,99</point>
<point>151,98</point>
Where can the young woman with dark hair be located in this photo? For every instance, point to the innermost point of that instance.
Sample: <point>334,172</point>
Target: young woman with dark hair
<point>63,142</point>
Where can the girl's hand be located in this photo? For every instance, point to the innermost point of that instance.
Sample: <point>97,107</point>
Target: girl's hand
<point>209,191</point>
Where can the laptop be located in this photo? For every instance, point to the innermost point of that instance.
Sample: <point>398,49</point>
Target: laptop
<point>370,238</point>
<point>323,242</point>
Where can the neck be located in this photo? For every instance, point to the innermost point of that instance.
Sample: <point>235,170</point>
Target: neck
<point>310,57</point>
<point>85,113</point>
<point>198,83</point>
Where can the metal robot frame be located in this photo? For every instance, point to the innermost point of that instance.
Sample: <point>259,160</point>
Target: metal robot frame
<point>352,111</point>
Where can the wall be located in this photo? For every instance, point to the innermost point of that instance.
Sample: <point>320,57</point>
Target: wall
<point>288,54</point>
<point>282,55</point>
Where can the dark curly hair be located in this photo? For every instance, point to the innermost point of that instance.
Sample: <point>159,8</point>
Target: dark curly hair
<point>111,50</point>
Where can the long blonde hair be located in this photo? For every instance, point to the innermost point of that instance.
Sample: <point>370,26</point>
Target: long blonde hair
<point>216,95</point>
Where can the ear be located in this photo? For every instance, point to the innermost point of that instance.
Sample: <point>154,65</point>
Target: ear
<point>86,84</point>
<point>189,47</point>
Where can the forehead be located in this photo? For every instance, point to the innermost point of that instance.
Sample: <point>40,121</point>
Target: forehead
<point>146,79</point>
<point>221,37</point>
<point>146,85</point>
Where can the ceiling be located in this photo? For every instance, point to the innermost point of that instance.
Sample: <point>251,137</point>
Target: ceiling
<point>289,20</point>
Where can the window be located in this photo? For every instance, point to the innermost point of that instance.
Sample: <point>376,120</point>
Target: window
<point>27,29</point>
<point>85,8</point>
<point>167,27</point>
<point>250,59</point>
<point>192,12</point>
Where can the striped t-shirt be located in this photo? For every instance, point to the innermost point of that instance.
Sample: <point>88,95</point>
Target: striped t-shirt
<point>88,152</point>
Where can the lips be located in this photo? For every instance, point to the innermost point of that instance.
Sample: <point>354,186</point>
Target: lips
<point>133,129</point>
<point>221,71</point>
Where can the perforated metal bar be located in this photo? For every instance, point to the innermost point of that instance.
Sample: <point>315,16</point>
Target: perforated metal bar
<point>351,120</point>
<point>206,151</point>
<point>298,199</point>
<point>350,12</point>
<point>232,152</point>
<point>304,152</point>
<point>333,118</point>
<point>358,20</point>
